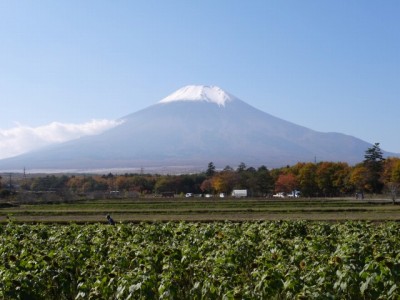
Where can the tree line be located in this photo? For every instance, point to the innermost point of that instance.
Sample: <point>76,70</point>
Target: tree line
<point>374,174</point>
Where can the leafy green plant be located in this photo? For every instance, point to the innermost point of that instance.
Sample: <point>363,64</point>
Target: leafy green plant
<point>220,260</point>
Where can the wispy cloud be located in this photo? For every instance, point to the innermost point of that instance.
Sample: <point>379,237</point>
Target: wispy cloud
<point>21,138</point>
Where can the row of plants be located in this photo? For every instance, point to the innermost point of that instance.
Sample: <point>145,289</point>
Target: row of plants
<point>220,260</point>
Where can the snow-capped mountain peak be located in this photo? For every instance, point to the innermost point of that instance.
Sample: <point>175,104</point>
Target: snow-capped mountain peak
<point>211,94</point>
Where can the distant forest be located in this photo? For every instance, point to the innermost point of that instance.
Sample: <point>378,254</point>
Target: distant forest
<point>323,179</point>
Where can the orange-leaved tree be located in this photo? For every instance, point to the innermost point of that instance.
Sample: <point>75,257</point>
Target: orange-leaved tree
<point>286,183</point>
<point>391,176</point>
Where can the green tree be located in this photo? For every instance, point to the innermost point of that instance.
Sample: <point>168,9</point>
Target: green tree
<point>210,170</point>
<point>265,182</point>
<point>244,176</point>
<point>248,180</point>
<point>373,162</point>
<point>140,184</point>
<point>166,184</point>
<point>241,167</point>
<point>49,182</point>
<point>228,168</point>
<point>307,180</point>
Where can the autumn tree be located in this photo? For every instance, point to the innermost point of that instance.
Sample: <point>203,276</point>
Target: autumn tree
<point>342,178</point>
<point>121,183</point>
<point>391,176</point>
<point>206,186</point>
<point>97,183</point>
<point>75,184</point>
<point>396,172</point>
<point>225,181</point>
<point>332,178</point>
<point>307,180</point>
<point>286,183</point>
<point>142,184</point>
<point>359,178</point>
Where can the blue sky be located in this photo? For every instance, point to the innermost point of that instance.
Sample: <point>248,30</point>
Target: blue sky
<point>71,66</point>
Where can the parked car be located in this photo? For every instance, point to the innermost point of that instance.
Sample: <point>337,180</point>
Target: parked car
<point>279,195</point>
<point>188,195</point>
<point>294,194</point>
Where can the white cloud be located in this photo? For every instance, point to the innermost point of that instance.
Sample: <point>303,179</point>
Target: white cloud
<point>21,139</point>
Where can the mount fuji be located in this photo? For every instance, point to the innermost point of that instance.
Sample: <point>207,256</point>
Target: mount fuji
<point>189,128</point>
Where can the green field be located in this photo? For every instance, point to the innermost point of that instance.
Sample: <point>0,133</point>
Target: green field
<point>201,209</point>
<point>199,248</point>
<point>197,260</point>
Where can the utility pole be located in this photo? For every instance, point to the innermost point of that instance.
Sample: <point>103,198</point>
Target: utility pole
<point>24,178</point>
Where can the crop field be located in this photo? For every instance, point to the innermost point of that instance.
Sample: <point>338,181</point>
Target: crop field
<point>200,209</point>
<point>197,260</point>
<point>201,249</point>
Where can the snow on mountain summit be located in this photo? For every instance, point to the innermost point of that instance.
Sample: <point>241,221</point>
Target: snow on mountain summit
<point>211,94</point>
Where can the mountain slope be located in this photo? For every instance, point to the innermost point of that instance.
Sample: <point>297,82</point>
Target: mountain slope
<point>194,126</point>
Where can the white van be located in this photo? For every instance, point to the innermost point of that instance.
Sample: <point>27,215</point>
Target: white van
<point>239,193</point>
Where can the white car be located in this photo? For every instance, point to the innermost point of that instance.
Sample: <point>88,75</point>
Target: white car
<point>294,194</point>
<point>279,195</point>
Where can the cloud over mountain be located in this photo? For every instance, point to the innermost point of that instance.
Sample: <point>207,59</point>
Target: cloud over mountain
<point>21,138</point>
